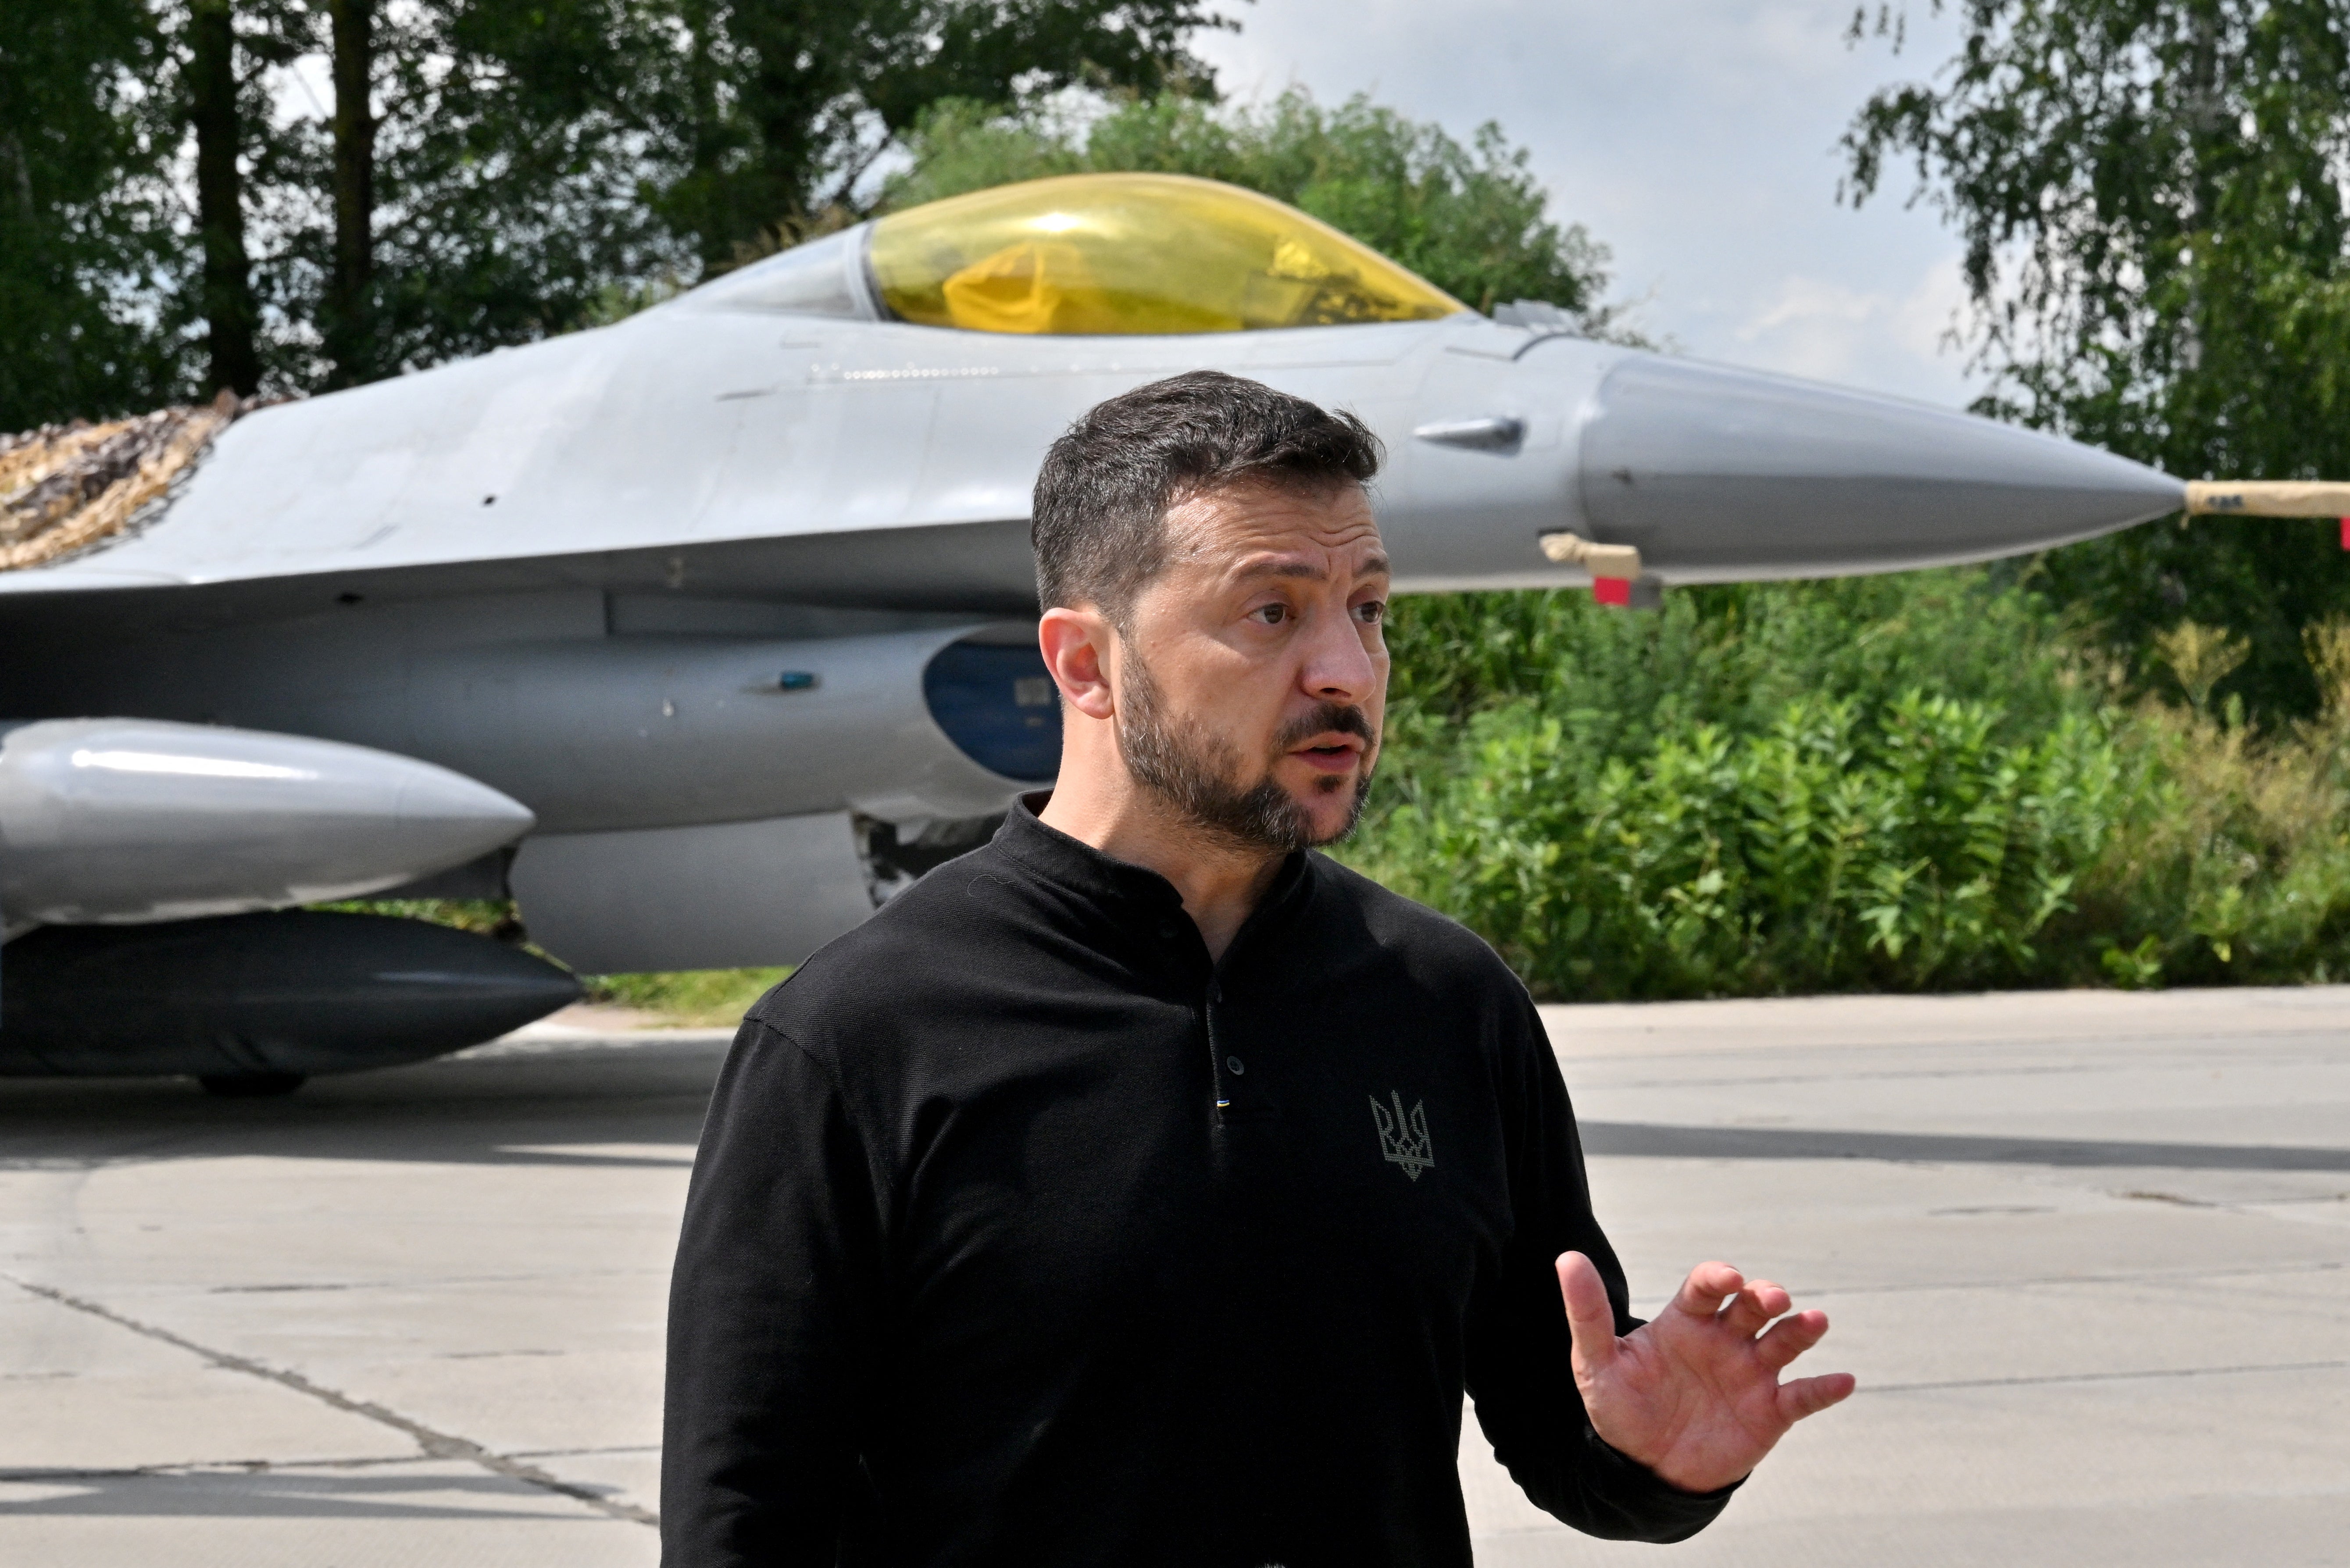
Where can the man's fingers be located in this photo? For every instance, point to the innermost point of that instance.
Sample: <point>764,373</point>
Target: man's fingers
<point>1810,1395</point>
<point>1751,1307</point>
<point>1791,1338</point>
<point>1707,1287</point>
<point>1589,1315</point>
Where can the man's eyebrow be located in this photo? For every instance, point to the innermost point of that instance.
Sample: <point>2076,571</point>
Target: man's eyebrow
<point>1373,566</point>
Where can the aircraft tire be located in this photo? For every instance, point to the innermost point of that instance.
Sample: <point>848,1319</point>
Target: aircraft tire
<point>251,1085</point>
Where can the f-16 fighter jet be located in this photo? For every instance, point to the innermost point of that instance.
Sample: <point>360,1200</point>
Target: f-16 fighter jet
<point>701,634</point>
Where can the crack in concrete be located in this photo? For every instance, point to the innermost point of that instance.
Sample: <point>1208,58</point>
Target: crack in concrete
<point>2103,1376</point>
<point>2187,1276</point>
<point>436,1445</point>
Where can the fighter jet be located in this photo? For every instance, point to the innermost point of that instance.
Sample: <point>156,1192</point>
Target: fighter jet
<point>701,634</point>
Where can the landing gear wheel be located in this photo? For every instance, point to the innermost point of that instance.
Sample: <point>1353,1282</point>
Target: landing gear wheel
<point>251,1085</point>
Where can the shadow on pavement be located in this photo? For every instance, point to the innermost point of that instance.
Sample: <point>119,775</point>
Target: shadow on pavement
<point>555,1102</point>
<point>267,1494</point>
<point>1639,1140</point>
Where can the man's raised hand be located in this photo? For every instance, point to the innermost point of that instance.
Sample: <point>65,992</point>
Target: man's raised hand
<point>1695,1395</point>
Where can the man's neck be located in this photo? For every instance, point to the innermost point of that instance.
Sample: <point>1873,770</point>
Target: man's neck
<point>1222,885</point>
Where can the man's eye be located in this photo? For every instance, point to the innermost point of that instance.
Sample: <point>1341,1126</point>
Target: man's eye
<point>1371,611</point>
<point>1272,614</point>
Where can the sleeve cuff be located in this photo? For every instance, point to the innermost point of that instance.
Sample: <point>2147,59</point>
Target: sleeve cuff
<point>1642,1493</point>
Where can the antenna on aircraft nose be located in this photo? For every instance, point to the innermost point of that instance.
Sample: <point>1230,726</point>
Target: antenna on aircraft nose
<point>2271,498</point>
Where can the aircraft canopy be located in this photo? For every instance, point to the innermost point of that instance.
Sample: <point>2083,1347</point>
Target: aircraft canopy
<point>1115,254</point>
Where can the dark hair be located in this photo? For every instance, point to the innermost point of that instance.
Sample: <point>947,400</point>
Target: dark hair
<point>1103,495</point>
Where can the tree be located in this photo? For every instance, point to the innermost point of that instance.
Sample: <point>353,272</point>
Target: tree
<point>84,218</point>
<point>2156,248</point>
<point>346,314</point>
<point>230,315</point>
<point>515,152</point>
<point>782,106</point>
<point>489,171</point>
<point>1471,219</point>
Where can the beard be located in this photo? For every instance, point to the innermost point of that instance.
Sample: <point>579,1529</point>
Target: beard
<point>1199,774</point>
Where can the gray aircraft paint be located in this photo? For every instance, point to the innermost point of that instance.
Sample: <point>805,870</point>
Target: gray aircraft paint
<point>566,570</point>
<point>127,821</point>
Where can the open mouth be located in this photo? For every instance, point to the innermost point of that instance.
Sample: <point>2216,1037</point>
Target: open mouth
<point>1331,754</point>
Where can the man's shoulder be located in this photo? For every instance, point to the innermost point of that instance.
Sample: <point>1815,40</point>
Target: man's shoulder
<point>1429,942</point>
<point>915,942</point>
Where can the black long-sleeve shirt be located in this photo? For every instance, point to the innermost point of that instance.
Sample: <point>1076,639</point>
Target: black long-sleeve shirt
<point>1021,1233</point>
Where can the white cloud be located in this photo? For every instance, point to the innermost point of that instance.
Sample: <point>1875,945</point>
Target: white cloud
<point>1830,330</point>
<point>1695,137</point>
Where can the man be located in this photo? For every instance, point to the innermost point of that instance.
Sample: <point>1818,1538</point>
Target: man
<point>1143,1189</point>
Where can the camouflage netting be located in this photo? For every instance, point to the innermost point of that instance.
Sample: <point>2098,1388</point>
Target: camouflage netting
<point>64,488</point>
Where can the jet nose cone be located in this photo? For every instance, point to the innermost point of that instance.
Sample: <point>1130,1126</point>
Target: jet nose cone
<point>1717,473</point>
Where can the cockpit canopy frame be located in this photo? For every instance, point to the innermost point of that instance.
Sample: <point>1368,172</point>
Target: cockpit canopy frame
<point>1089,255</point>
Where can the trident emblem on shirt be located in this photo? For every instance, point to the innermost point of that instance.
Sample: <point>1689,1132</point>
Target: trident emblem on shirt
<point>1403,1138</point>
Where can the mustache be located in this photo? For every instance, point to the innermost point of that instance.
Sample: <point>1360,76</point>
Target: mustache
<point>1343,718</point>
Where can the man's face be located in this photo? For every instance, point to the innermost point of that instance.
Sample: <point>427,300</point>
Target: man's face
<point>1252,681</point>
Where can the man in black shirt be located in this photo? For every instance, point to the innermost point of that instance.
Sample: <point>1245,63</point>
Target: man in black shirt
<point>1144,1189</point>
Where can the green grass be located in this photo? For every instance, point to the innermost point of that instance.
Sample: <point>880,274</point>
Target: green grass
<point>697,998</point>
<point>703,997</point>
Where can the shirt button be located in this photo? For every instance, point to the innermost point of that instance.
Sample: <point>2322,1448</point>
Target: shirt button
<point>1235,1065</point>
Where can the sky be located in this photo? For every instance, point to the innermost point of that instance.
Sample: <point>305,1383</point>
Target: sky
<point>1695,138</point>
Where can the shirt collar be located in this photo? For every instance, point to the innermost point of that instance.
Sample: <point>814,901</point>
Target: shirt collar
<point>1116,885</point>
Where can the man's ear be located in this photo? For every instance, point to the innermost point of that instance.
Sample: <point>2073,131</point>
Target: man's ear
<point>1075,645</point>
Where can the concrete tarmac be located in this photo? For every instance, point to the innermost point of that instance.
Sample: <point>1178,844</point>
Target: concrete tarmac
<point>2088,1253</point>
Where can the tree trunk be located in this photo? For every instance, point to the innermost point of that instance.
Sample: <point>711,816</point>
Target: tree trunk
<point>350,305</point>
<point>705,151</point>
<point>229,311</point>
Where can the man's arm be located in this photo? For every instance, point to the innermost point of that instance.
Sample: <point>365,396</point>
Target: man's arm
<point>1520,1355</point>
<point>772,1297</point>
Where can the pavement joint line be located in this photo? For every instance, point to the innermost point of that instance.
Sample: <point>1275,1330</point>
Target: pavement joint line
<point>436,1445</point>
<point>419,1282</point>
<point>2096,1048</point>
<point>1749,1080</point>
<point>2058,1377</point>
<point>21,1474</point>
<point>2139,1277</point>
<point>206,1467</point>
<point>1733,1140</point>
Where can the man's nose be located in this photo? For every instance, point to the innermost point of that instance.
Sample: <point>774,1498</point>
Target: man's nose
<point>1339,668</point>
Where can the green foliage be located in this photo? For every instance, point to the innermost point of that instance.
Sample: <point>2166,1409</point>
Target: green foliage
<point>1471,218</point>
<point>706,997</point>
<point>688,997</point>
<point>2156,245</point>
<point>1901,852</point>
<point>1732,656</point>
<point>84,218</point>
<point>536,166</point>
<point>1907,783</point>
<point>778,108</point>
<point>485,917</point>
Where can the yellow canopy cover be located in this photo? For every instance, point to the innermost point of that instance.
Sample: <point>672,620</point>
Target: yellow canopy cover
<point>1130,254</point>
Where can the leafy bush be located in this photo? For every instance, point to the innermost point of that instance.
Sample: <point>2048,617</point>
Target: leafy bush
<point>1894,783</point>
<point>1903,849</point>
<point>2233,863</point>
